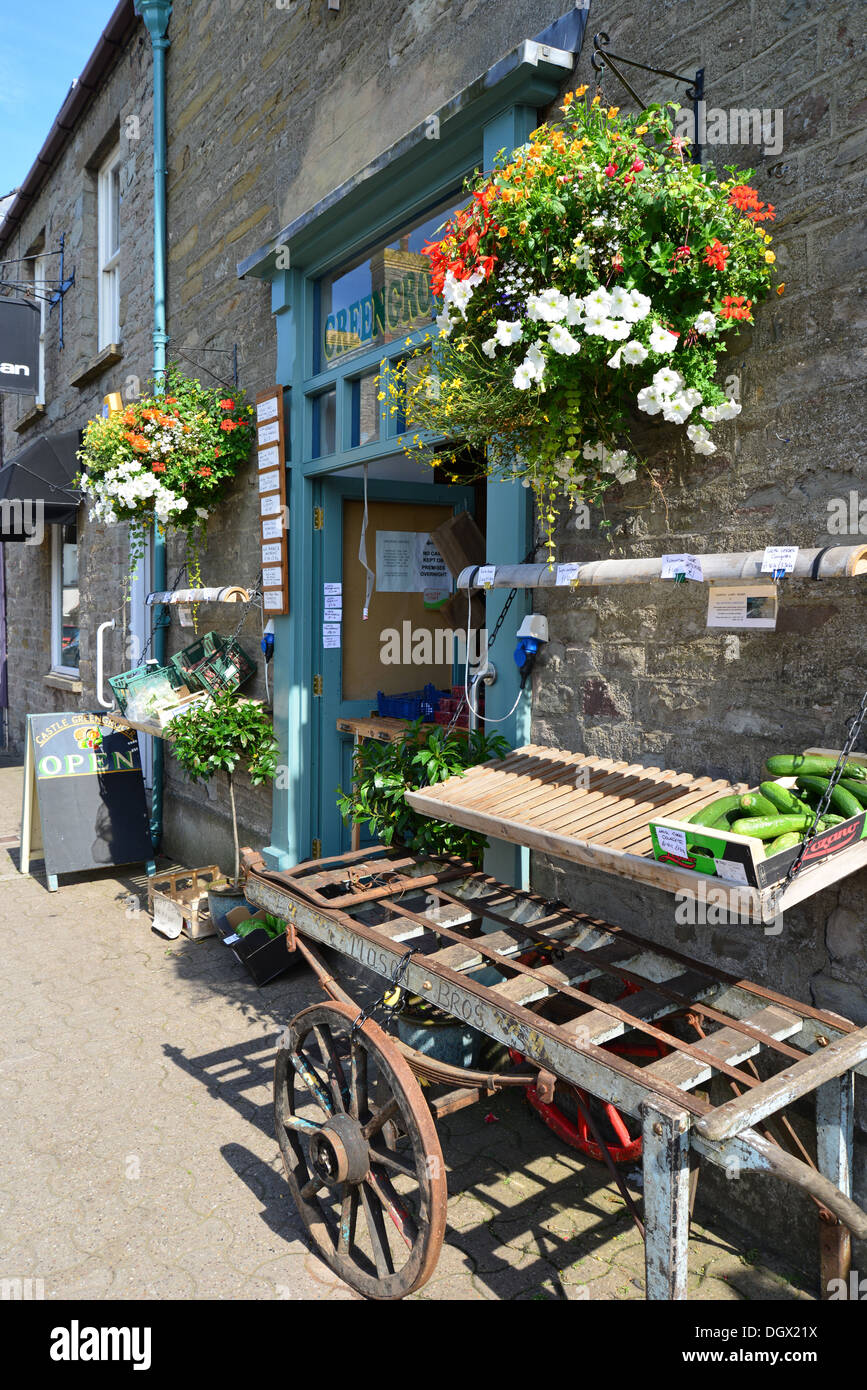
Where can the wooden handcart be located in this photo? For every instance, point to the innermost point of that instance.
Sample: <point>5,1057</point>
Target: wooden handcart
<point>582,1009</point>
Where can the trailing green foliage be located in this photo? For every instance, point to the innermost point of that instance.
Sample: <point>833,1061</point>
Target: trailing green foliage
<point>385,772</point>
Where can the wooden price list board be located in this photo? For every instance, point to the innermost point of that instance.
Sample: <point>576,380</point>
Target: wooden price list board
<point>273,513</point>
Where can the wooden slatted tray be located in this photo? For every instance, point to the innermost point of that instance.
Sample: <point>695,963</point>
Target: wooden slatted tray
<point>596,811</point>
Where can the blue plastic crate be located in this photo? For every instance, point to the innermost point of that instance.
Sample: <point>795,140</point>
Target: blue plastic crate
<point>413,704</point>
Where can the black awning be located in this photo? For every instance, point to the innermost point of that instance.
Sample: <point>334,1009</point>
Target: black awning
<point>38,484</point>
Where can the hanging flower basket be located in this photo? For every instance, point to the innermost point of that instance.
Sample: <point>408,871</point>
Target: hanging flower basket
<point>595,272</point>
<point>166,459</point>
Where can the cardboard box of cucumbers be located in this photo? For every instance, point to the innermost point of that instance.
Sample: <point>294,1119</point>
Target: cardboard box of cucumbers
<point>752,838</point>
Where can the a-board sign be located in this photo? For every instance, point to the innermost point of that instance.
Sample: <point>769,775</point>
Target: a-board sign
<point>84,801</point>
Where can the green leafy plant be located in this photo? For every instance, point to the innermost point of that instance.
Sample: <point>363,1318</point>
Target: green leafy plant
<point>219,735</point>
<point>385,772</point>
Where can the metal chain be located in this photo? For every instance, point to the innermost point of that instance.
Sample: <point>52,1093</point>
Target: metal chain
<point>154,626</point>
<point>255,593</point>
<point>854,724</point>
<point>391,1010</point>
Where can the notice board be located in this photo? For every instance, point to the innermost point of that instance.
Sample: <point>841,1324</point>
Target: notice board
<point>84,800</point>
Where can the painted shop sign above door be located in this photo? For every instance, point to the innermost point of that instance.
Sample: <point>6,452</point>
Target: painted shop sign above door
<point>380,298</point>
<point>19,347</point>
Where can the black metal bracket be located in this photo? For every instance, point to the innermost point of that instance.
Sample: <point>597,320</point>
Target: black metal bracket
<point>64,284</point>
<point>602,58</point>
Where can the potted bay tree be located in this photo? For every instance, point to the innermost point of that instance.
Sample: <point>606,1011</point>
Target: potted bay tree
<point>223,734</point>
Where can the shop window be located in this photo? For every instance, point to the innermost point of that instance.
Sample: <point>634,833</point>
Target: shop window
<point>109,199</point>
<point>64,598</point>
<point>381,297</point>
<point>325,423</point>
<point>366,409</point>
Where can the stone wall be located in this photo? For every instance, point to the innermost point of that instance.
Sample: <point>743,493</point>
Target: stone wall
<point>67,204</point>
<point>634,673</point>
<point>270,107</point>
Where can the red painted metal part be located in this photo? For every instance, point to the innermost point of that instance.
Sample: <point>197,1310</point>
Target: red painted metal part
<point>576,1133</point>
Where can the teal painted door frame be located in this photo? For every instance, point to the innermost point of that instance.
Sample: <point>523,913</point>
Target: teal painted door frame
<point>333,765</point>
<point>298,716</point>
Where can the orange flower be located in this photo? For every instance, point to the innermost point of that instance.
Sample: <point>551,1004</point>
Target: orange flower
<point>204,472</point>
<point>158,467</point>
<point>129,417</point>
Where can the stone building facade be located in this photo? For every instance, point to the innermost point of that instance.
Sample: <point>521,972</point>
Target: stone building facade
<point>273,106</point>
<point>78,376</point>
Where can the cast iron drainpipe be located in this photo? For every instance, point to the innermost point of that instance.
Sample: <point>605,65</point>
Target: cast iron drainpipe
<point>156,15</point>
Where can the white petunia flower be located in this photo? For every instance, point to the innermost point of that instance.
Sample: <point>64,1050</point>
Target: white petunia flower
<point>598,300</point>
<point>444,322</point>
<point>701,440</point>
<point>508,332</point>
<point>594,320</point>
<point>661,340</point>
<point>524,377</point>
<point>620,301</point>
<point>575,310</point>
<point>649,400</point>
<point>676,410</point>
<point>615,330</point>
<point>637,308</point>
<point>706,322</point>
<point>550,306</point>
<point>633,353</point>
<point>592,452</point>
<point>666,381</point>
<point>561,341</point>
<point>489,347</point>
<point>729,409</point>
<point>616,359</point>
<point>692,397</point>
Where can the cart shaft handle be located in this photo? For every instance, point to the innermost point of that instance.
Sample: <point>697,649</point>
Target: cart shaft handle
<point>787,1086</point>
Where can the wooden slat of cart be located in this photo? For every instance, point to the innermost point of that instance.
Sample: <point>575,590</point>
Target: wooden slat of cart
<point>638,802</point>
<point>499,784</point>
<point>551,796</point>
<point>532,789</point>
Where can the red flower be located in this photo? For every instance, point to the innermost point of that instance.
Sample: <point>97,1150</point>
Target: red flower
<point>204,472</point>
<point>217,453</point>
<point>716,254</point>
<point>610,170</point>
<point>629,178</point>
<point>158,467</point>
<point>228,425</point>
<point>735,306</point>
<point>637,166</point>
<point>227,405</point>
<point>170,400</point>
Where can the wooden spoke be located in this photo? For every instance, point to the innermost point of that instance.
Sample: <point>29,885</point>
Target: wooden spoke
<point>378,1234</point>
<point>332,1171</point>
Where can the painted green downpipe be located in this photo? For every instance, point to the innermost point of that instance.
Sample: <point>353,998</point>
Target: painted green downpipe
<point>156,15</point>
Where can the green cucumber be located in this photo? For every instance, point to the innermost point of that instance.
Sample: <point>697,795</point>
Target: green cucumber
<point>811,765</point>
<point>770,827</point>
<point>783,798</point>
<point>715,811</point>
<point>787,841</point>
<point>858,789</point>
<point>758,805</point>
<point>841,800</point>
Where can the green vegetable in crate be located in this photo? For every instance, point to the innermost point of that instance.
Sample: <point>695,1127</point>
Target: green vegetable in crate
<point>841,800</point>
<point>811,765</point>
<point>770,827</point>
<point>782,842</point>
<point>783,798</point>
<point>758,805</point>
<point>858,789</point>
<point>713,813</point>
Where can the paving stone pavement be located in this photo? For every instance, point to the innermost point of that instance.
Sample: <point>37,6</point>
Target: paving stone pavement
<point>137,1155</point>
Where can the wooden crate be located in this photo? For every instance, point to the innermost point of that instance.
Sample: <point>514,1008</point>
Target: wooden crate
<point>183,895</point>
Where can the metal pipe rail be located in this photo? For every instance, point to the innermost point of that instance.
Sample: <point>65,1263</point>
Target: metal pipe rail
<point>829,562</point>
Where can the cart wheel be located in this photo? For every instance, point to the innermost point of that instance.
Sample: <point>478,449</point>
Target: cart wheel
<point>360,1150</point>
